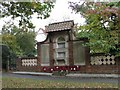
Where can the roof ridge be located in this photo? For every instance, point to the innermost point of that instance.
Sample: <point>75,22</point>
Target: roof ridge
<point>61,22</point>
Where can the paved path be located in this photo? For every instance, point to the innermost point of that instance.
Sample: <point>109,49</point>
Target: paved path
<point>95,75</point>
<point>72,74</point>
<point>64,78</point>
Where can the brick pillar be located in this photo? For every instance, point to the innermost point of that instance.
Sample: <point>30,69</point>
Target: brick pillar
<point>38,56</point>
<point>51,54</point>
<point>87,56</point>
<point>70,51</point>
<point>118,57</point>
<point>117,60</point>
<point>18,64</point>
<point>87,60</point>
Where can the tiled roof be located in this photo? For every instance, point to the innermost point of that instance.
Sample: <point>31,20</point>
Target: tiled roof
<point>60,26</point>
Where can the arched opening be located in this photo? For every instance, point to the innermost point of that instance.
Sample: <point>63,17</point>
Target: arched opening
<point>60,51</point>
<point>61,42</point>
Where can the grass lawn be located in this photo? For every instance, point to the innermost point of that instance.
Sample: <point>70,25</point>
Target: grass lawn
<point>31,83</point>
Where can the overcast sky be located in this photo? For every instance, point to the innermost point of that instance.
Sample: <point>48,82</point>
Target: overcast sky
<point>60,12</point>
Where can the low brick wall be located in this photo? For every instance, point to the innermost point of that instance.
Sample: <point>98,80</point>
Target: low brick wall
<point>106,69</point>
<point>26,64</point>
<point>102,67</point>
<point>100,63</point>
<point>96,69</point>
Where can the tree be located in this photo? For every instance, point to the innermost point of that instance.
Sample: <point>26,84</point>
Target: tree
<point>21,42</point>
<point>9,38</point>
<point>26,41</point>
<point>25,10</point>
<point>102,25</point>
<point>10,41</point>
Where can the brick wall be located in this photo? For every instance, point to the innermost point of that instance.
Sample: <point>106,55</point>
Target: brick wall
<point>20,67</point>
<point>38,55</point>
<point>99,69</point>
<point>51,54</point>
<point>102,68</point>
<point>70,50</point>
<point>87,68</point>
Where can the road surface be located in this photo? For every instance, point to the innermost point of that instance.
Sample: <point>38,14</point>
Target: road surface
<point>64,78</point>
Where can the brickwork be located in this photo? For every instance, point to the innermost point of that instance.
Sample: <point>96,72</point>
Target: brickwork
<point>51,54</point>
<point>87,68</point>
<point>68,35</point>
<point>38,56</point>
<point>107,69</point>
<point>18,63</point>
<point>87,56</point>
<point>101,69</point>
<point>19,66</point>
<point>70,49</point>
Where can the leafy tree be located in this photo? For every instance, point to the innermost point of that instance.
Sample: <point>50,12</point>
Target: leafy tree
<point>25,10</point>
<point>12,35</point>
<point>9,38</point>
<point>20,42</point>
<point>26,41</point>
<point>102,25</point>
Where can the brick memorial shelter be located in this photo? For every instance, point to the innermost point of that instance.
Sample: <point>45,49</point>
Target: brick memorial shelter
<point>61,50</point>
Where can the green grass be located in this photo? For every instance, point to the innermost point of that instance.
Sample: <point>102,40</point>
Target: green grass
<point>31,83</point>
